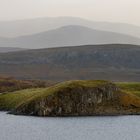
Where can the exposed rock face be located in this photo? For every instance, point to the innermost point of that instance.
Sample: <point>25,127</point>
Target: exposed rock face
<point>78,100</point>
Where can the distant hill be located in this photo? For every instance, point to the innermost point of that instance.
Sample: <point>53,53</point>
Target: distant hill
<point>9,84</point>
<point>33,26</point>
<point>111,62</point>
<point>9,49</point>
<point>69,36</point>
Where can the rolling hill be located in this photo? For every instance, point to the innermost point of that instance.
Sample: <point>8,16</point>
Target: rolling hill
<point>73,98</point>
<point>9,84</point>
<point>33,26</point>
<point>10,49</point>
<point>111,62</point>
<point>68,36</point>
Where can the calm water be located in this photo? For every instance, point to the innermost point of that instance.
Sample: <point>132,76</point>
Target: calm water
<point>82,128</point>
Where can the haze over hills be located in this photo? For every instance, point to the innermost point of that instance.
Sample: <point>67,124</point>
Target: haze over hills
<point>96,61</point>
<point>9,49</point>
<point>71,35</point>
<point>110,62</point>
<point>33,26</point>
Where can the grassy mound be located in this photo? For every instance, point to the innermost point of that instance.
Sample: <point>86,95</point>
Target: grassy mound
<point>74,98</point>
<point>9,101</point>
<point>130,87</point>
<point>78,98</point>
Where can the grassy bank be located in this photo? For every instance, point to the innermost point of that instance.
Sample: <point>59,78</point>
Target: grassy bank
<point>11,100</point>
<point>130,87</point>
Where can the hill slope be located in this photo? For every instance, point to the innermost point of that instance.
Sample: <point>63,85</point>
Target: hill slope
<point>9,100</point>
<point>110,62</point>
<point>80,98</point>
<point>129,87</point>
<point>69,36</point>
<point>9,49</point>
<point>33,26</point>
<point>10,84</point>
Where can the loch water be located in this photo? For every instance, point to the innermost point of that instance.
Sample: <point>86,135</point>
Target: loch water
<point>71,128</point>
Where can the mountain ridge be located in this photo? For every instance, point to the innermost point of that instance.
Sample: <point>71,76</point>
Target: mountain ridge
<point>110,62</point>
<point>10,49</point>
<point>72,35</point>
<point>33,26</point>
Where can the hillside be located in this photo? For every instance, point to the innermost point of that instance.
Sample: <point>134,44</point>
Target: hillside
<point>79,98</point>
<point>33,26</point>
<point>10,49</point>
<point>69,36</point>
<point>9,84</point>
<point>133,88</point>
<point>111,62</point>
<point>9,100</point>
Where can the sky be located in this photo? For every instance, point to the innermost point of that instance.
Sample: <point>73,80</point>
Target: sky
<point>127,11</point>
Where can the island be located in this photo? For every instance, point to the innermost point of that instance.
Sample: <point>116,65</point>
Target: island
<point>73,98</point>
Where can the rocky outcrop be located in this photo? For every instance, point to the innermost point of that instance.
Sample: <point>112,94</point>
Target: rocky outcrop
<point>81,98</point>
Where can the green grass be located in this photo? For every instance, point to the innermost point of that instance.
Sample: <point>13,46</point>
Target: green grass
<point>27,98</point>
<point>130,87</point>
<point>10,85</point>
<point>11,100</point>
<point>34,103</point>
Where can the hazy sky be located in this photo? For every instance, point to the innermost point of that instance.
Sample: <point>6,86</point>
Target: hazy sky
<point>127,11</point>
